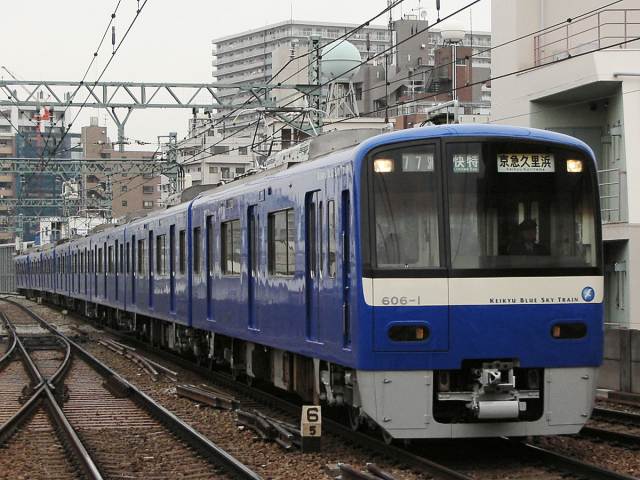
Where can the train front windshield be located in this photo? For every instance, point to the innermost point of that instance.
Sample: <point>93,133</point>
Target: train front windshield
<point>482,206</point>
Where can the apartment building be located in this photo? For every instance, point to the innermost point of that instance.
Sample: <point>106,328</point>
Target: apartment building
<point>246,57</point>
<point>254,56</point>
<point>209,155</point>
<point>129,193</point>
<point>7,181</point>
<point>584,80</point>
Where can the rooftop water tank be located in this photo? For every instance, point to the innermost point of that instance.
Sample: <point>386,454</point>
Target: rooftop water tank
<point>340,62</point>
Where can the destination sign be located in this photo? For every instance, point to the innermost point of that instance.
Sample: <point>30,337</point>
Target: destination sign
<point>526,163</point>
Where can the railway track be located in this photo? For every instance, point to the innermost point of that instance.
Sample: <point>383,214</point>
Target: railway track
<point>13,378</point>
<point>543,463</point>
<point>106,427</point>
<point>526,460</point>
<point>615,426</point>
<point>37,448</point>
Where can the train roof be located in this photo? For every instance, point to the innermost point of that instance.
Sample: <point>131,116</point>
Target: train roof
<point>472,130</point>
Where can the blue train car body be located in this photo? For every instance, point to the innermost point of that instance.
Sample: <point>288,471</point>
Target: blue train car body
<point>438,282</point>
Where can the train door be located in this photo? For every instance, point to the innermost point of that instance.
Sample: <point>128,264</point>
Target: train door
<point>252,262</point>
<point>345,266</point>
<point>95,270</point>
<point>209,244</point>
<point>172,268</point>
<point>133,269</point>
<point>313,264</point>
<point>116,270</point>
<point>151,269</point>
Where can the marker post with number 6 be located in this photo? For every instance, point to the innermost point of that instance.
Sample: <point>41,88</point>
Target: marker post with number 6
<point>311,428</point>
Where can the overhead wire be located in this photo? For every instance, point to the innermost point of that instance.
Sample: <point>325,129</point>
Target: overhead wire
<point>492,78</point>
<point>330,46</point>
<point>86,72</point>
<point>91,89</point>
<point>338,41</point>
<point>362,62</point>
<point>489,49</point>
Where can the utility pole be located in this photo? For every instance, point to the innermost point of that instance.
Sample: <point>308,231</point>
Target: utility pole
<point>315,81</point>
<point>386,65</point>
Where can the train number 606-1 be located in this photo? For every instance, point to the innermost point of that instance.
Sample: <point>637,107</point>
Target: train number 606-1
<point>395,300</point>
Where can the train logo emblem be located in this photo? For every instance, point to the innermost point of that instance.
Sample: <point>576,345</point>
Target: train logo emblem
<point>588,294</point>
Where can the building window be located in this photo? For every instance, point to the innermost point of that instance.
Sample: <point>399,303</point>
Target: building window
<point>219,149</point>
<point>197,249</point>
<point>161,267</point>
<point>231,247</point>
<point>147,176</point>
<point>124,203</point>
<point>242,150</point>
<point>147,204</point>
<point>141,257</point>
<point>147,189</point>
<point>213,169</point>
<point>239,170</point>
<point>123,188</point>
<point>282,236</point>
<point>182,247</point>
<point>226,172</point>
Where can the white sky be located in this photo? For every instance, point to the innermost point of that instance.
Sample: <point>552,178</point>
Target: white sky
<point>170,42</point>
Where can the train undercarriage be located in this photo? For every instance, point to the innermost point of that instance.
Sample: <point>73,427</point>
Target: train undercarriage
<point>483,398</point>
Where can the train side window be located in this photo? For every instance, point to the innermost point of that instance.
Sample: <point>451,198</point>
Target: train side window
<point>230,232</point>
<point>110,259</point>
<point>161,259</point>
<point>182,248</point>
<point>99,260</point>
<point>128,255</point>
<point>197,249</point>
<point>121,258</point>
<point>141,256</point>
<point>254,243</point>
<point>331,236</point>
<point>282,236</point>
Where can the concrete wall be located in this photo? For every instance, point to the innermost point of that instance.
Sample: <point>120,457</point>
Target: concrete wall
<point>621,368</point>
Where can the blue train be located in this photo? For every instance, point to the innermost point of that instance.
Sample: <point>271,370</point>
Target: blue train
<point>438,282</point>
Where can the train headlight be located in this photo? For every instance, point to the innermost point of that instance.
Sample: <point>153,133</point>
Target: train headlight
<point>569,330</point>
<point>383,165</point>
<point>408,333</point>
<point>574,166</point>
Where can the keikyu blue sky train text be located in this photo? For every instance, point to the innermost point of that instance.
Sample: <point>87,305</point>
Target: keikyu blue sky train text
<point>437,282</point>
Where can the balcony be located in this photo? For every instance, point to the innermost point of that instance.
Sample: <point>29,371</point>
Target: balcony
<point>605,29</point>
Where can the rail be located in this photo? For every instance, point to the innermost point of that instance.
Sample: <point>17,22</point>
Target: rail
<point>44,393</point>
<point>174,424</point>
<point>600,30</point>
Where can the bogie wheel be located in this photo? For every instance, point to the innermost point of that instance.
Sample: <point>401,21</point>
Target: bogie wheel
<point>353,418</point>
